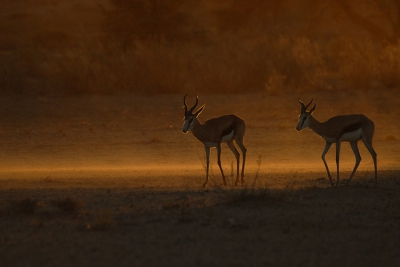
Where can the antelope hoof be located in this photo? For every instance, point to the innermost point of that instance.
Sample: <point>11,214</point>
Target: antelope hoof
<point>205,185</point>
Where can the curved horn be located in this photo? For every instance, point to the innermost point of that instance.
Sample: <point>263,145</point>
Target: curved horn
<point>184,104</point>
<point>310,102</point>
<point>304,107</point>
<point>197,101</point>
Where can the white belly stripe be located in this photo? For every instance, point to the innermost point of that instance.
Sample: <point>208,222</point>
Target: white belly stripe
<point>348,137</point>
<point>352,136</point>
<point>225,138</point>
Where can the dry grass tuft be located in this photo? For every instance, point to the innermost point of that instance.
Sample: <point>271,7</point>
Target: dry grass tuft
<point>256,193</point>
<point>68,205</point>
<point>183,204</point>
<point>24,206</point>
<point>176,204</point>
<point>36,223</point>
<point>102,221</point>
<point>264,194</point>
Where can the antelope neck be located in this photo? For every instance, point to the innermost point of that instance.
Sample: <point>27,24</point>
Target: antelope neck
<point>316,126</point>
<point>198,130</point>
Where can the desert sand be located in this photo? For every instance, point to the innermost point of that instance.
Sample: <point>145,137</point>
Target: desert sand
<point>113,181</point>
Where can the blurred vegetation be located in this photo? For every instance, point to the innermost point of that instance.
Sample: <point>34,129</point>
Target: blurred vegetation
<point>205,46</point>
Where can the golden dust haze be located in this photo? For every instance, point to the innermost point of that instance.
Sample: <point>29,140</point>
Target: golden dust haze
<point>99,84</point>
<point>204,46</point>
<point>95,169</point>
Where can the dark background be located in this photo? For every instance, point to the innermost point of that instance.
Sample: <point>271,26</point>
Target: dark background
<point>73,47</point>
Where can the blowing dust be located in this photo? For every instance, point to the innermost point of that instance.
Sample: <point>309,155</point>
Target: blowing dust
<point>119,136</point>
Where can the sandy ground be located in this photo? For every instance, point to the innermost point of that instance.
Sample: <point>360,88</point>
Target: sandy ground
<point>112,181</point>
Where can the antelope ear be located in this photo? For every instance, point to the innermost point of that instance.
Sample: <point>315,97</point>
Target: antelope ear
<point>313,108</point>
<point>199,110</point>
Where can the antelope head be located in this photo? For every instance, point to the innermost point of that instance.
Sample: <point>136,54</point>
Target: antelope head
<point>304,117</point>
<point>190,117</point>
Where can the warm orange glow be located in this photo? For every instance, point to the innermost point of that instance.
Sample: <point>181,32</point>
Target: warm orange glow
<point>129,136</point>
<point>102,46</point>
<point>95,169</point>
<point>70,109</point>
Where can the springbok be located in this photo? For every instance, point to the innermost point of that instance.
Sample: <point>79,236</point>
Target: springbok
<point>215,131</point>
<point>350,128</point>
